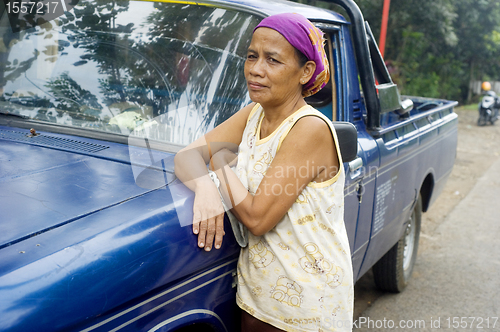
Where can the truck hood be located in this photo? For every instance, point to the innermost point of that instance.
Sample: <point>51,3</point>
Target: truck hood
<point>85,232</point>
<point>44,185</point>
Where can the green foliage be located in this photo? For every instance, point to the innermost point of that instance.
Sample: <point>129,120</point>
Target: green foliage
<point>437,47</point>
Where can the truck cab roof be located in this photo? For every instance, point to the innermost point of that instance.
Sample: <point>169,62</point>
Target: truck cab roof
<point>271,7</point>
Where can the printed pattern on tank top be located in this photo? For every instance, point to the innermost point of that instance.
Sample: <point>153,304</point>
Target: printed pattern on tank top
<point>298,276</point>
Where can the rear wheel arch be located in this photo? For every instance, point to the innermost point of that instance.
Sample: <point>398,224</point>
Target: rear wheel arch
<point>426,191</point>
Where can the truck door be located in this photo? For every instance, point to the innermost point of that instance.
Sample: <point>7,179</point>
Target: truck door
<point>361,172</point>
<point>341,100</point>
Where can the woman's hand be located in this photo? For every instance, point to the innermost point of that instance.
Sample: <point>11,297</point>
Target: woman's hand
<point>208,212</point>
<point>208,215</point>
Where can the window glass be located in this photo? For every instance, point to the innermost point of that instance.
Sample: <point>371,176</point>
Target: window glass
<point>166,71</point>
<point>323,97</point>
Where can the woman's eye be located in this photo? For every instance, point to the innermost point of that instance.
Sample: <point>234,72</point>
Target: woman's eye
<point>273,60</point>
<point>251,56</point>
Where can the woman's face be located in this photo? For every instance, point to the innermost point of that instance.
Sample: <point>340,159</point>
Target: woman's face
<point>272,69</point>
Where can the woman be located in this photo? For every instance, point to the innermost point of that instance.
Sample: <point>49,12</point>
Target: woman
<point>295,274</point>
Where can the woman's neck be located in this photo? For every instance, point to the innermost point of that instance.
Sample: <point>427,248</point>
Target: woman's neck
<point>276,114</point>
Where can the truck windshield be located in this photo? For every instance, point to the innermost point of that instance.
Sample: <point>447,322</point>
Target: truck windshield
<point>166,71</point>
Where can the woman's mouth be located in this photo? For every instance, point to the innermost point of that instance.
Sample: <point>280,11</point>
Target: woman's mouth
<point>255,85</point>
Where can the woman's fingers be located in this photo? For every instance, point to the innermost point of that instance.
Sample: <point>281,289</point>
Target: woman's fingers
<point>209,239</point>
<point>196,222</point>
<point>202,234</point>
<point>219,230</point>
<point>211,232</point>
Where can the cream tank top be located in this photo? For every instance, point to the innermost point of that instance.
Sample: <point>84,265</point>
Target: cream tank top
<point>298,276</point>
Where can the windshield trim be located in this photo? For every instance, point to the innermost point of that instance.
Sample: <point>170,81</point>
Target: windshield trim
<point>218,4</point>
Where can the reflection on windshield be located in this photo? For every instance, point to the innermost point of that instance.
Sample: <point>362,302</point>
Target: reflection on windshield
<point>168,71</point>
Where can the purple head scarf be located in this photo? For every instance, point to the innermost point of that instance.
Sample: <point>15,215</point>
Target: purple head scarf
<point>308,39</point>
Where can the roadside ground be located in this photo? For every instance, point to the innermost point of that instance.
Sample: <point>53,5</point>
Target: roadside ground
<point>478,149</point>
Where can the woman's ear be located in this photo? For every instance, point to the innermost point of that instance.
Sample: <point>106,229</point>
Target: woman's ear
<point>308,71</point>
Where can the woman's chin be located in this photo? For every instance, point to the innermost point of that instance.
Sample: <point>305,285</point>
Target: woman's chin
<point>257,97</point>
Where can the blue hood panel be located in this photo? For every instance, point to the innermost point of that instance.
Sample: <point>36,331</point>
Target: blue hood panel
<point>42,187</point>
<point>81,241</point>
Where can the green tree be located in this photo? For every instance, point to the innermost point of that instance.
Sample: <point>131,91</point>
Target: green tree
<point>438,47</point>
<point>477,26</point>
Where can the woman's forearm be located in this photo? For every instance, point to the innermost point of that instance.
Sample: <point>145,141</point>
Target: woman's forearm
<point>191,169</point>
<point>231,188</point>
<point>241,200</point>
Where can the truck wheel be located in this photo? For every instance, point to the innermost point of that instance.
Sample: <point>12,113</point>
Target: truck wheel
<point>393,270</point>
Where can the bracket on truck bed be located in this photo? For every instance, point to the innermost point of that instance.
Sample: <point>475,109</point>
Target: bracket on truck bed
<point>368,59</point>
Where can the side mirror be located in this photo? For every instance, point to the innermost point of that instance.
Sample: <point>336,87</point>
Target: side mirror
<point>390,100</point>
<point>388,96</point>
<point>348,140</point>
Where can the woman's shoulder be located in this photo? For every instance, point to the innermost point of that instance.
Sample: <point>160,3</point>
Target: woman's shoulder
<point>311,125</point>
<point>311,122</point>
<point>307,130</point>
<point>308,124</point>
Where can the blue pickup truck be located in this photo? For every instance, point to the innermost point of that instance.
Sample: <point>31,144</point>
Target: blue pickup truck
<point>94,104</point>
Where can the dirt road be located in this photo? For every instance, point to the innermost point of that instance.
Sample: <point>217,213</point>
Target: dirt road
<point>470,191</point>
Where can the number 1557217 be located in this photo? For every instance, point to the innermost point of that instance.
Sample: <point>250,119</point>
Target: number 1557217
<point>32,7</point>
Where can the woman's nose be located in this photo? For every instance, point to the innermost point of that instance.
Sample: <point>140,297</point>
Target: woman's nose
<point>257,68</point>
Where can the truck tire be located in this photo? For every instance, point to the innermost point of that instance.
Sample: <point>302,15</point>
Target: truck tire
<point>393,270</point>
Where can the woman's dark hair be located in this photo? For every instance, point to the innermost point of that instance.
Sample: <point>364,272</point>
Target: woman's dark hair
<point>302,58</point>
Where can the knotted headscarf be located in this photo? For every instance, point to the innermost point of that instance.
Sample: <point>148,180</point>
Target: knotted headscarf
<point>308,39</point>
